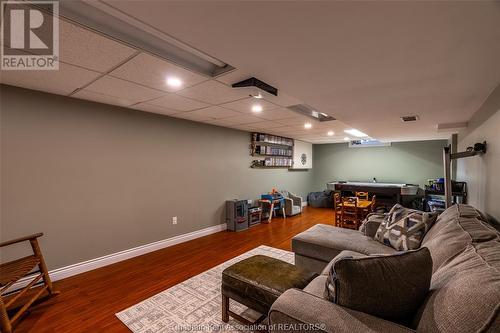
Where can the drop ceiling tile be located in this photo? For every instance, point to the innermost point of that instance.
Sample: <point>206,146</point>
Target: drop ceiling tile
<point>245,105</point>
<point>323,134</point>
<point>226,122</point>
<point>276,114</point>
<point>101,98</point>
<point>213,92</point>
<point>243,119</point>
<point>247,128</point>
<point>179,103</point>
<point>298,132</point>
<point>188,116</point>
<point>273,132</point>
<point>153,108</point>
<point>211,113</point>
<point>282,99</point>
<point>331,125</point>
<point>315,137</point>
<point>297,119</point>
<point>82,47</point>
<point>314,129</point>
<point>308,130</point>
<point>63,81</point>
<point>152,72</point>
<point>283,129</point>
<point>266,125</point>
<point>217,123</point>
<point>122,89</point>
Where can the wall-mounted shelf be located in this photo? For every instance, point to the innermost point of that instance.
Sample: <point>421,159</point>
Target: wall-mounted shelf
<point>260,143</point>
<point>276,150</point>
<point>268,167</point>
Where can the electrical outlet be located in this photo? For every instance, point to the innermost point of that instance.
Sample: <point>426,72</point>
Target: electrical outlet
<point>174,220</point>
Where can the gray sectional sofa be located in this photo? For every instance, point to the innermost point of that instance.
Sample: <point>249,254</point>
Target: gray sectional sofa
<point>464,294</point>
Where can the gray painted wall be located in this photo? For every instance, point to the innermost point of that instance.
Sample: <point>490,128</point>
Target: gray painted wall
<point>403,162</point>
<point>481,172</point>
<point>98,179</point>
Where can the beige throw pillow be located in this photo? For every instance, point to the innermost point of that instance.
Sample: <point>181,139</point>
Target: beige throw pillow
<point>404,229</point>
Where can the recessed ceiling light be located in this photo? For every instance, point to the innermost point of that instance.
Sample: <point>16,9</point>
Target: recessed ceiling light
<point>174,82</point>
<point>346,139</point>
<point>330,133</point>
<point>308,125</point>
<point>257,108</point>
<point>356,133</point>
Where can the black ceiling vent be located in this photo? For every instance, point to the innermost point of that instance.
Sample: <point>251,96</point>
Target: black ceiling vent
<point>405,119</point>
<point>309,111</point>
<point>253,82</point>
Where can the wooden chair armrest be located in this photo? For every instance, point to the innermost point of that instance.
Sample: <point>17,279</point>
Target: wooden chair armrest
<point>22,239</point>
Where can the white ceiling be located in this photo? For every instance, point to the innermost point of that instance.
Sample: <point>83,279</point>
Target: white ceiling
<point>365,63</point>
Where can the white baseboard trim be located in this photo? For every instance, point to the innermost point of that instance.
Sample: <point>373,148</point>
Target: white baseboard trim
<point>85,266</point>
<point>304,203</point>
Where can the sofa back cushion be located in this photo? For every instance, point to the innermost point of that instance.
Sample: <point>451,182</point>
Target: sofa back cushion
<point>465,292</point>
<point>455,229</point>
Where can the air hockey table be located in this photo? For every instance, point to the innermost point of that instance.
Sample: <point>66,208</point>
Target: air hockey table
<point>387,193</point>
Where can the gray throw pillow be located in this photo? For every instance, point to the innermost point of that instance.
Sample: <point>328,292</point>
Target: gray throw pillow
<point>403,228</point>
<point>387,286</point>
<point>371,223</point>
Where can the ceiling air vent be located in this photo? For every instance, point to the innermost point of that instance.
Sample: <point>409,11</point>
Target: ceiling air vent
<point>253,82</point>
<point>405,119</point>
<point>310,112</point>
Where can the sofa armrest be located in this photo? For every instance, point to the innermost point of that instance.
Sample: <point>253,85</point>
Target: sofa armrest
<point>296,310</point>
<point>297,201</point>
<point>288,205</point>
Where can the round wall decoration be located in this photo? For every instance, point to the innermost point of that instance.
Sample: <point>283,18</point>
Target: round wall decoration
<point>303,159</point>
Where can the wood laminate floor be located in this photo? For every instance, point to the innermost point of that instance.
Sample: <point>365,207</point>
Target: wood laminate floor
<point>88,302</point>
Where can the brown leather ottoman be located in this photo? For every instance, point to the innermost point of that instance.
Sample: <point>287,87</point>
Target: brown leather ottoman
<point>257,282</point>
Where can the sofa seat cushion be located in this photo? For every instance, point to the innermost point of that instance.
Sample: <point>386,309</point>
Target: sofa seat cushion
<point>387,286</point>
<point>465,293</point>
<point>297,311</point>
<point>325,242</point>
<point>403,228</point>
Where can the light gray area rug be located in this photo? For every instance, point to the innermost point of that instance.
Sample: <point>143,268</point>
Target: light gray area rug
<point>195,304</point>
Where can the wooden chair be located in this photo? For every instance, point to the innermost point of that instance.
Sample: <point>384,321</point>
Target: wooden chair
<point>361,195</point>
<point>371,208</point>
<point>350,214</point>
<point>374,204</point>
<point>12,271</point>
<point>337,206</point>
